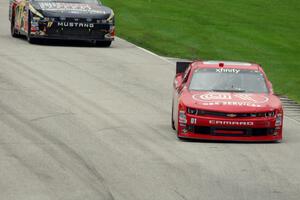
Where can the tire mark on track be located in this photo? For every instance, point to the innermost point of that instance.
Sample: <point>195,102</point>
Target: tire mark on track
<point>91,107</point>
<point>120,89</point>
<point>67,94</point>
<point>35,133</point>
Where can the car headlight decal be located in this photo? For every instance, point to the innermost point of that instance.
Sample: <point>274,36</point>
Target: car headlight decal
<point>278,120</point>
<point>111,17</point>
<point>192,111</point>
<point>34,11</point>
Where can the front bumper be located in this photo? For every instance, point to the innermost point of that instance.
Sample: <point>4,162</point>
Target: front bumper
<point>50,29</point>
<point>232,129</point>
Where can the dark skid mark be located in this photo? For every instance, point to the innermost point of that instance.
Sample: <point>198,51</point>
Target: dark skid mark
<point>39,134</point>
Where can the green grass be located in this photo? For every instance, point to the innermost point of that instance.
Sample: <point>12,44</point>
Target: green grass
<point>262,31</point>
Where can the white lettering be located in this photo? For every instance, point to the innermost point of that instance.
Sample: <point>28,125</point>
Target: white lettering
<point>75,24</point>
<point>222,70</point>
<point>231,123</point>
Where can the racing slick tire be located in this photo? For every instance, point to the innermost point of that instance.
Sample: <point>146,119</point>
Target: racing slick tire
<point>173,124</point>
<point>29,38</point>
<point>180,138</point>
<point>14,33</point>
<point>103,43</point>
<point>172,120</point>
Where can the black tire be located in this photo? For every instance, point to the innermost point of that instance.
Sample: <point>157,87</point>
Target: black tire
<point>173,124</point>
<point>13,30</point>
<point>172,120</point>
<point>32,40</point>
<point>29,38</point>
<point>180,138</point>
<point>103,43</point>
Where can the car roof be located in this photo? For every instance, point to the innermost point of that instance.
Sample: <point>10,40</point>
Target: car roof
<point>226,64</point>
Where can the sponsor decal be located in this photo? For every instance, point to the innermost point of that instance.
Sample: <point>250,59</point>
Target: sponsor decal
<point>212,96</point>
<point>222,70</point>
<point>75,24</point>
<point>49,25</point>
<point>34,24</point>
<point>231,123</point>
<point>182,125</point>
<point>251,98</point>
<point>193,121</point>
<point>70,7</point>
<point>232,103</point>
<point>228,99</point>
<point>231,115</point>
<point>182,117</point>
<point>64,6</point>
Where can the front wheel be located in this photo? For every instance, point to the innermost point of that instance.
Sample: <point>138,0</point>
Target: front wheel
<point>172,119</point>
<point>30,39</point>
<point>179,138</point>
<point>13,30</point>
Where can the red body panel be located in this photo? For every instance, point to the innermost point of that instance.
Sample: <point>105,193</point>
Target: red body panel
<point>225,116</point>
<point>224,131</point>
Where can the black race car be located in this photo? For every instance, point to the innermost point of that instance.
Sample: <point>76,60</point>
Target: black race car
<point>62,19</point>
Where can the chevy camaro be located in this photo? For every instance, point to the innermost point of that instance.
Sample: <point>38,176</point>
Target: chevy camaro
<point>62,19</point>
<point>233,101</point>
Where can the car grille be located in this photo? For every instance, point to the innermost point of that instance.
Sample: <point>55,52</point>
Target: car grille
<point>230,132</point>
<point>98,30</point>
<point>193,111</point>
<point>77,31</point>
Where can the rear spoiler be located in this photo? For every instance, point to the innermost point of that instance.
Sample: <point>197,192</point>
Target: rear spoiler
<point>182,66</point>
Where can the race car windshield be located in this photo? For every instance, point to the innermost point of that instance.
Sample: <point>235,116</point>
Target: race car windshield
<point>70,1</point>
<point>228,80</point>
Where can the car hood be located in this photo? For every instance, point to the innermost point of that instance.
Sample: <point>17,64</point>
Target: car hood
<point>72,10</point>
<point>231,102</point>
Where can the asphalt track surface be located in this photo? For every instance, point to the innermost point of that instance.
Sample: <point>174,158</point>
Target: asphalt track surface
<point>85,123</point>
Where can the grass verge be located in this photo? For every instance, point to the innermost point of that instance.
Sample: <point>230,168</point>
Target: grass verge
<point>262,31</point>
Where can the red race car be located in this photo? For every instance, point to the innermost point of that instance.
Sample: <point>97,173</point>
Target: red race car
<point>233,101</point>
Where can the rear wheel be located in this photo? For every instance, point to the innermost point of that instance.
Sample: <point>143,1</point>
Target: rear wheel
<point>103,43</point>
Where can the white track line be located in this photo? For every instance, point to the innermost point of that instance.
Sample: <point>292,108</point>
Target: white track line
<point>149,52</point>
<point>290,118</point>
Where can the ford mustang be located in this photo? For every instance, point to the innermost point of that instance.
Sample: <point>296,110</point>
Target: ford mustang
<point>233,101</point>
<point>62,19</point>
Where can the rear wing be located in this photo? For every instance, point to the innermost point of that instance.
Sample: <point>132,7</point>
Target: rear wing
<point>182,66</point>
